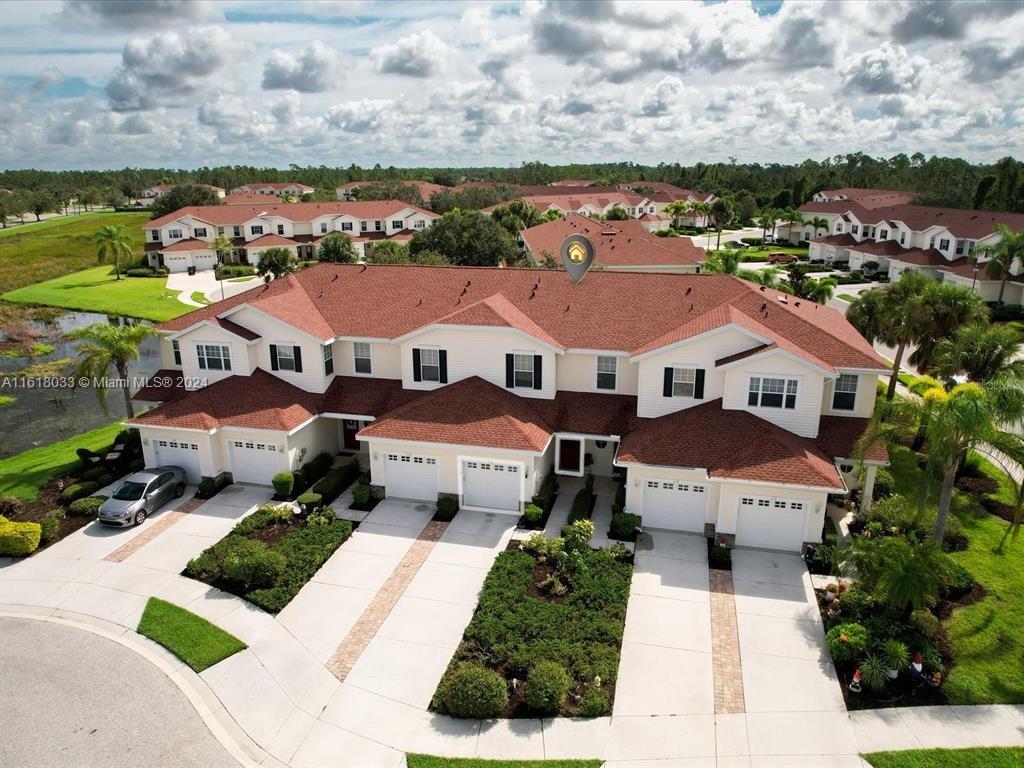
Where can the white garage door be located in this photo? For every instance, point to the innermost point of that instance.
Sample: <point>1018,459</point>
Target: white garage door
<point>205,261</point>
<point>491,485</point>
<point>770,523</point>
<point>175,263</point>
<point>253,462</point>
<point>410,477</point>
<point>674,505</point>
<point>179,453</point>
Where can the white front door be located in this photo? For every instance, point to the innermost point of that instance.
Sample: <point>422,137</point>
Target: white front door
<point>674,505</point>
<point>770,523</point>
<point>253,461</point>
<point>492,485</point>
<point>408,476</point>
<point>179,453</point>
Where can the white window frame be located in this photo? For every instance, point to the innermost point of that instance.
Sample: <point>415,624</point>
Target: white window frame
<point>346,226</point>
<point>256,229</point>
<point>323,227</point>
<point>679,383</point>
<point>199,232</point>
<point>883,234</point>
<point>156,236</point>
<point>521,366</point>
<point>786,393</point>
<point>282,355</point>
<point>363,226</point>
<point>836,390</point>
<point>223,357</point>
<point>396,224</point>
<point>419,224</point>
<point>614,373</point>
<point>378,225</point>
<point>236,231</point>
<point>176,351</point>
<point>174,234</point>
<point>368,357</point>
<point>436,365</point>
<point>328,359</point>
<point>280,229</point>
<point>944,244</point>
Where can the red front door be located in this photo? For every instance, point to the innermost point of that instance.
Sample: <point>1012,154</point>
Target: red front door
<point>349,429</point>
<point>569,455</point>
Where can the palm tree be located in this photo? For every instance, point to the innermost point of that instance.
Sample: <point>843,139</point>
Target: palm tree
<point>725,262</point>
<point>703,210</point>
<point>944,309</point>
<point>766,221</point>
<point>905,575</point>
<point>768,277</point>
<point>891,315</point>
<point>113,242</point>
<point>677,210</point>
<point>818,290</point>
<point>721,214</point>
<point>791,216</point>
<point>222,246</point>
<point>817,223</point>
<point>1002,254</point>
<point>103,346</point>
<point>980,350</point>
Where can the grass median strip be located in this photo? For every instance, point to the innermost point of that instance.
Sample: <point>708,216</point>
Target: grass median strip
<point>994,757</point>
<point>191,638</point>
<point>426,761</point>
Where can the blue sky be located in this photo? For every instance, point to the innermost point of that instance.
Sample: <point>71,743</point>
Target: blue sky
<point>88,84</point>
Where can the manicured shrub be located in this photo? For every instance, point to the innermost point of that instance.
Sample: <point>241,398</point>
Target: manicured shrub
<point>885,484</point>
<point>298,482</point>
<point>140,272</point>
<point>310,502</point>
<point>137,465</point>
<point>361,495</point>
<point>19,539</point>
<point>253,564</point>
<point>533,514</point>
<point>88,458</point>
<point>447,507</point>
<point>321,516</point>
<point>78,491</point>
<point>545,495</point>
<point>93,474</point>
<point>104,479</point>
<point>623,527</point>
<point>206,488</point>
<point>49,525</point>
<point>547,688</point>
<point>472,691</point>
<point>283,483</point>
<point>87,507</point>
<point>925,622</point>
<point>264,516</point>
<point>847,642</point>
<point>594,702</point>
<point>580,509</point>
<point>752,240</point>
<point>720,558</point>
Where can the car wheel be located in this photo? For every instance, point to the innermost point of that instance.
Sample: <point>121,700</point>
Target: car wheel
<point>140,517</point>
<point>179,490</point>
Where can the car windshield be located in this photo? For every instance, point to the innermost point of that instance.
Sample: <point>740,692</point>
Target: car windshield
<point>129,491</point>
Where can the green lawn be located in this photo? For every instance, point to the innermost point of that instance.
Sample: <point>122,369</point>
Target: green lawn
<point>992,757</point>
<point>191,638</point>
<point>200,297</point>
<point>847,297</point>
<point>97,290</point>
<point>22,475</point>
<point>426,761</point>
<point>58,246</point>
<point>985,636</point>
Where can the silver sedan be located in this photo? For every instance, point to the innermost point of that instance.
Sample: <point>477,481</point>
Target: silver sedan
<point>142,493</point>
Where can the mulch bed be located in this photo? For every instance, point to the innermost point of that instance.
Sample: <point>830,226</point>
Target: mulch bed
<point>49,498</point>
<point>526,525</point>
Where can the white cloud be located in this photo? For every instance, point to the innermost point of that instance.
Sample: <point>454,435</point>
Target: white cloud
<point>360,116</point>
<point>661,99</point>
<point>421,54</point>
<point>48,78</point>
<point>888,69</point>
<point>134,14</point>
<point>163,68</point>
<point>312,71</point>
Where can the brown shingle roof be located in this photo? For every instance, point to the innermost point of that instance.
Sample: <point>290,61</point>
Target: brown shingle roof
<point>163,386</point>
<point>838,437</point>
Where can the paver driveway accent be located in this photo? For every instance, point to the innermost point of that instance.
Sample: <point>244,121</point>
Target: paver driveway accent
<point>725,645</point>
<point>173,512</point>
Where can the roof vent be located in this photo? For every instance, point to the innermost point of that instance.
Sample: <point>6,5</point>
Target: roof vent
<point>420,302</point>
<point>796,303</point>
<point>688,289</point>
<point>566,307</point>
<point>764,306</point>
<point>321,295</point>
<point>782,298</point>
<point>335,277</point>
<point>469,283</point>
<point>458,301</point>
<point>533,293</point>
<point>763,288</point>
<point>364,267</point>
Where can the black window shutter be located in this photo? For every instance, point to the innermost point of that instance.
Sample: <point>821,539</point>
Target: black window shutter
<point>510,371</point>
<point>698,384</point>
<point>667,388</point>
<point>273,357</point>
<point>416,365</point>
<point>298,359</point>
<point>538,376</point>
<point>442,364</point>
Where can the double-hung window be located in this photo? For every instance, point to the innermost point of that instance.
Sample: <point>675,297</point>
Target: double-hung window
<point>176,348</point>
<point>156,236</point>
<point>771,392</point>
<point>960,245</point>
<point>855,229</point>
<point>944,244</point>
<point>346,226</point>
<point>378,225</point>
<point>419,224</point>
<point>174,234</point>
<point>607,372</point>
<point>523,370</point>
<point>903,238</point>
<point>280,229</point>
<point>214,357</point>
<point>323,227</point>
<point>285,357</point>
<point>396,224</point>
<point>883,234</point>
<point>199,232</point>
<point>844,393</point>
<point>256,229</point>
<point>363,226</point>
<point>430,365</point>
<point>684,382</point>
<point>236,231</point>
<point>328,359</point>
<point>361,357</point>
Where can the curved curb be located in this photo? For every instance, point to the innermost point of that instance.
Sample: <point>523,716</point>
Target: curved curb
<point>216,718</point>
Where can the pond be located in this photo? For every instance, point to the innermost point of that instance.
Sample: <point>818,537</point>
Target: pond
<point>40,416</point>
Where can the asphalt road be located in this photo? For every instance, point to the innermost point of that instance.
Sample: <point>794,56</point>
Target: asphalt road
<point>75,700</point>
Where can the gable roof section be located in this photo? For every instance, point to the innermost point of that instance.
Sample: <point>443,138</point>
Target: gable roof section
<point>270,241</point>
<point>230,215</point>
<point>625,311</point>
<point>961,222</point>
<point>190,244</point>
<point>729,444</point>
<point>497,311</point>
<point>259,401</point>
<point>468,412</point>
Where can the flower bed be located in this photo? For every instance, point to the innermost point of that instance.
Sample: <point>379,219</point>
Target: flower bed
<point>546,635</point>
<point>270,555</point>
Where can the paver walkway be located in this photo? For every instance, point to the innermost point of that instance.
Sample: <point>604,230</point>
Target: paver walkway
<point>352,647</point>
<point>168,517</point>
<point>725,645</point>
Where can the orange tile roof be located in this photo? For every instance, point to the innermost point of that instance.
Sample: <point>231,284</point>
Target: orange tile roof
<point>228,215</point>
<point>627,311</point>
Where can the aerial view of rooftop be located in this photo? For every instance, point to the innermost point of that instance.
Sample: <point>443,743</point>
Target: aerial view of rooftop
<point>511,384</point>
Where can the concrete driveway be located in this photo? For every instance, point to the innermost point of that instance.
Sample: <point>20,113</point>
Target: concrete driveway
<point>93,702</point>
<point>206,282</point>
